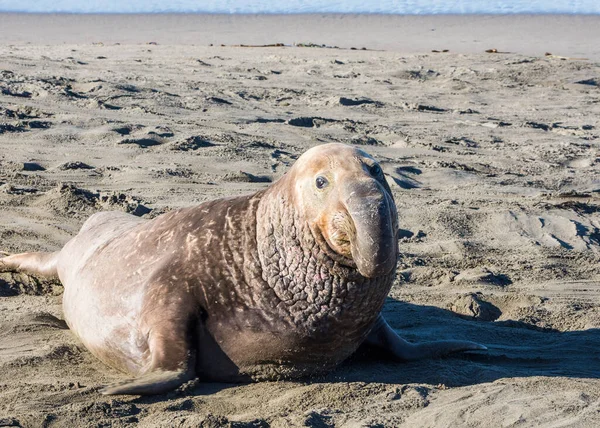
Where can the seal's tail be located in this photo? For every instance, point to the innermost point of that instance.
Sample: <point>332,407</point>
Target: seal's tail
<point>43,264</point>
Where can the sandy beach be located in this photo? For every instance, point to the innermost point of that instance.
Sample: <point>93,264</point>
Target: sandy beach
<point>493,159</point>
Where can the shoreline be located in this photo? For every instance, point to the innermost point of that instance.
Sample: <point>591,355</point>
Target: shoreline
<point>567,35</point>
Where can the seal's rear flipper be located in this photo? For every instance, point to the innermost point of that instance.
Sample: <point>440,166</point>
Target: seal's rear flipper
<point>151,383</point>
<point>383,336</point>
<point>43,264</point>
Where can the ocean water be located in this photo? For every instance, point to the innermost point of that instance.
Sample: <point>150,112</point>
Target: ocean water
<point>410,7</point>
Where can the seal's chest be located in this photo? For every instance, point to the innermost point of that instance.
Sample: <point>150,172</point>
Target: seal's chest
<point>229,354</point>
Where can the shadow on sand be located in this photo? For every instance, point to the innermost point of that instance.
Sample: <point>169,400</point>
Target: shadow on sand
<point>516,349</point>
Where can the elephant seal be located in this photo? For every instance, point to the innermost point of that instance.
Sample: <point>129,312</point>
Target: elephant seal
<point>285,282</point>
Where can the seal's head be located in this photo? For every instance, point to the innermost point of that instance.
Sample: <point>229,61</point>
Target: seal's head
<point>343,195</point>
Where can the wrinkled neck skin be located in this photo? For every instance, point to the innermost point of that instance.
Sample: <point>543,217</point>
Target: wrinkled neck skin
<point>320,298</point>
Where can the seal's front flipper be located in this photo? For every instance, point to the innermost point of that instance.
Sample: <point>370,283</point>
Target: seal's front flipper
<point>170,338</point>
<point>157,382</point>
<point>383,336</point>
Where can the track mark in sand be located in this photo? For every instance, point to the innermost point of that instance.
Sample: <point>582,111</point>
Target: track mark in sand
<point>127,129</point>
<point>566,291</point>
<point>594,81</point>
<point>246,177</point>
<point>23,112</point>
<point>73,165</point>
<point>401,178</point>
<point>12,93</point>
<point>32,166</point>
<point>7,127</point>
<point>192,143</point>
<point>474,306</point>
<point>482,275</point>
<point>423,108</point>
<point>46,319</point>
<point>68,199</point>
<point>421,75</point>
<point>307,122</point>
<point>266,120</point>
<point>365,140</point>
<point>358,102</point>
<point>537,125</point>
<point>15,284</point>
<point>217,100</point>
<point>463,141</point>
<point>142,142</point>
<point>316,122</point>
<point>24,126</point>
<point>281,157</point>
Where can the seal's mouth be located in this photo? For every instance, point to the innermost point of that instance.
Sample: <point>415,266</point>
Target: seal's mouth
<point>343,255</point>
<point>339,230</point>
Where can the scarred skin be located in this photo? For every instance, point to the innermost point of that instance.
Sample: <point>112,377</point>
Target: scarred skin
<point>285,282</point>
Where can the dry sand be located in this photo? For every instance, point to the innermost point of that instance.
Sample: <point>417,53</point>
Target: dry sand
<point>494,161</point>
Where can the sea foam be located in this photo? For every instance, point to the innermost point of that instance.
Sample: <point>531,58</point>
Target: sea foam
<point>411,7</point>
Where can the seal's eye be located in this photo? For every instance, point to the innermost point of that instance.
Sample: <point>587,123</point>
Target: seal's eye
<point>321,182</point>
<point>376,170</point>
